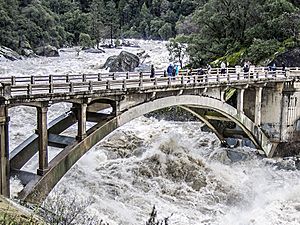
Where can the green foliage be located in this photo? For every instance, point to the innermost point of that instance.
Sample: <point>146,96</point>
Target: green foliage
<point>165,31</point>
<point>261,49</point>
<point>60,22</point>
<point>177,49</point>
<point>214,28</point>
<point>226,28</point>
<point>85,40</point>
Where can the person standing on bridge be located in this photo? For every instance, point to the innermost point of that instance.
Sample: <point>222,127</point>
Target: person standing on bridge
<point>223,67</point>
<point>170,70</point>
<point>152,72</point>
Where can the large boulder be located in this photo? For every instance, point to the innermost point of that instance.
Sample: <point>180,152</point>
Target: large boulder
<point>124,62</point>
<point>8,53</point>
<point>48,50</point>
<point>290,58</point>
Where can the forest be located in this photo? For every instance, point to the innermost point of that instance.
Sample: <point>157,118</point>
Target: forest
<point>233,30</point>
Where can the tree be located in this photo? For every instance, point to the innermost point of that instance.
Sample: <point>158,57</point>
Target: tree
<point>177,49</point>
<point>97,20</point>
<point>165,31</point>
<point>111,18</point>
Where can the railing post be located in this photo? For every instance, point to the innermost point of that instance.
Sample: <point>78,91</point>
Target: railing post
<point>141,80</point>
<point>182,80</point>
<point>4,152</point>
<point>71,87</point>
<point>124,85</point>
<point>50,78</point>
<point>51,84</point>
<point>83,77</point>
<point>32,79</point>
<point>13,80</point>
<point>42,139</point>
<point>99,77</point>
<point>218,77</point>
<point>238,76</point>
<point>67,79</point>
<point>5,90</point>
<point>51,88</point>
<point>114,76</point>
<point>127,75</point>
<point>90,86</point>
<point>108,84</point>
<point>29,89</point>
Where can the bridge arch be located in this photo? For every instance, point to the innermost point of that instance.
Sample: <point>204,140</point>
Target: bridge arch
<point>37,190</point>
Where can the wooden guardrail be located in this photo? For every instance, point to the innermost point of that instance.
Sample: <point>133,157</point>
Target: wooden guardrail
<point>33,85</point>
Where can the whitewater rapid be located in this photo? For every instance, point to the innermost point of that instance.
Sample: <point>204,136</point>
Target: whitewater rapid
<point>172,165</point>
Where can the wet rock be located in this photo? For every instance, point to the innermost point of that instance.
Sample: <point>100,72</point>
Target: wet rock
<point>124,62</point>
<point>228,156</point>
<point>236,156</point>
<point>28,52</point>
<point>93,50</point>
<point>48,51</point>
<point>9,53</point>
<point>283,163</point>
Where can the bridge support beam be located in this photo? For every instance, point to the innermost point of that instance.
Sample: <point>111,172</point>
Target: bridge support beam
<point>240,100</point>
<point>42,140</point>
<point>4,153</point>
<point>81,115</point>
<point>257,114</point>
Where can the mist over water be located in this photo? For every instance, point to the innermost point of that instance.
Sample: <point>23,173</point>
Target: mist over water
<point>172,165</point>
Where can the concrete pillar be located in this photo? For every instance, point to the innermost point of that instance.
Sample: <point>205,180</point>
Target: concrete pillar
<point>4,153</point>
<point>240,100</point>
<point>257,114</point>
<point>42,139</point>
<point>81,115</point>
<point>222,95</point>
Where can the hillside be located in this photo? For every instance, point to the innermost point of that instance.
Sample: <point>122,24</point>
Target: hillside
<point>232,30</point>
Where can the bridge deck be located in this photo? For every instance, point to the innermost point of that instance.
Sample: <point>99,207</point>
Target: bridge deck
<point>31,88</point>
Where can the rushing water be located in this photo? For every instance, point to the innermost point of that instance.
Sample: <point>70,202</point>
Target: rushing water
<point>172,165</point>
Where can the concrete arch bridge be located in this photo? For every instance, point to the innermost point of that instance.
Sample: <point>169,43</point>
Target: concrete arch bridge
<point>261,105</point>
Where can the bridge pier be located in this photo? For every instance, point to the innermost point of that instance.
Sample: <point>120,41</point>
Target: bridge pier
<point>240,100</point>
<point>42,140</point>
<point>258,100</point>
<point>4,152</point>
<point>81,116</point>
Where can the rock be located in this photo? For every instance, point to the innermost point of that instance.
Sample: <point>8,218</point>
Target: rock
<point>139,54</point>
<point>13,213</point>
<point>9,53</point>
<point>93,50</point>
<point>124,62</point>
<point>28,52</point>
<point>48,51</point>
<point>291,58</point>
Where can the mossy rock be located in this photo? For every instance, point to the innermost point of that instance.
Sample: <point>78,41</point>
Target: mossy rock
<point>14,214</point>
